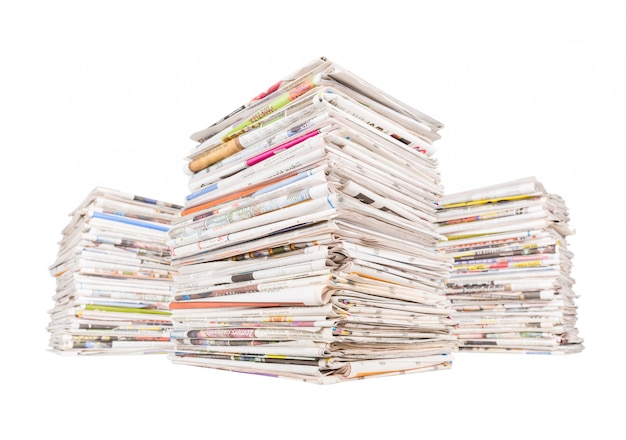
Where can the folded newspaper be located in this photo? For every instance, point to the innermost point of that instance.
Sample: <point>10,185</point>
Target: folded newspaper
<point>307,247</point>
<point>114,278</point>
<point>511,287</point>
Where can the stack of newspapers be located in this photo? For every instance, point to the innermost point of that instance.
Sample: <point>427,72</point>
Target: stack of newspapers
<point>307,248</point>
<point>511,287</point>
<point>113,275</point>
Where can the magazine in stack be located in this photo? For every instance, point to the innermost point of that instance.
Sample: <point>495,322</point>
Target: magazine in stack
<point>511,287</point>
<point>307,248</point>
<point>113,275</point>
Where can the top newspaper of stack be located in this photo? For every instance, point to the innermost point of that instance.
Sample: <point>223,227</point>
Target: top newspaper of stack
<point>319,86</point>
<point>280,137</point>
<point>381,154</point>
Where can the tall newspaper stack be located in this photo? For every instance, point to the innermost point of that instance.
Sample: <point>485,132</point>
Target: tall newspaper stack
<point>511,287</point>
<point>113,275</point>
<point>307,246</point>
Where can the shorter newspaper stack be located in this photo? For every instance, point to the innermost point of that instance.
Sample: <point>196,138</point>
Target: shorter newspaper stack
<point>307,249</point>
<point>511,286</point>
<point>113,275</point>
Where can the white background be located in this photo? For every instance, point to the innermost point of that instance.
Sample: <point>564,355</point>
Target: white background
<point>107,93</point>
